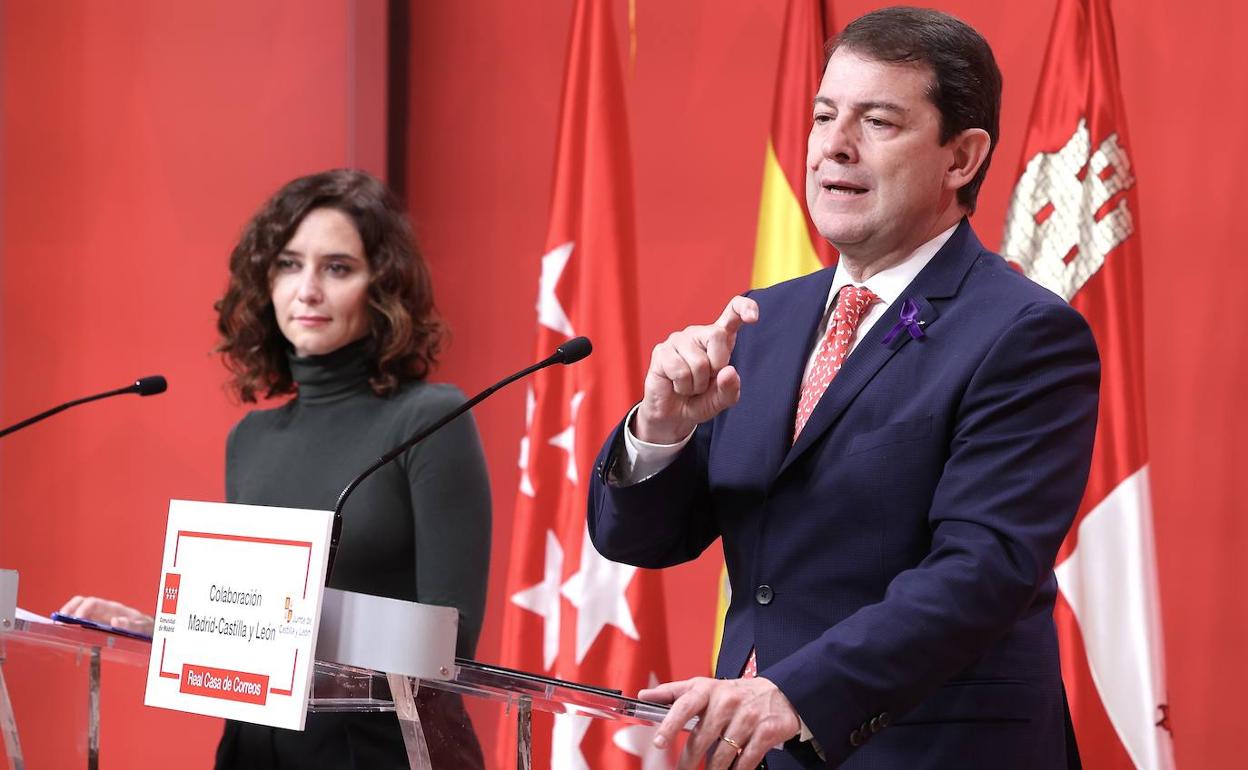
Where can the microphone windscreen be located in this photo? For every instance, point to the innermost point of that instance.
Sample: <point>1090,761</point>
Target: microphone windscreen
<point>150,386</point>
<point>574,350</point>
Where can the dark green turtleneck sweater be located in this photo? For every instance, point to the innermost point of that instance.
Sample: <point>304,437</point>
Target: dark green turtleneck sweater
<point>419,528</point>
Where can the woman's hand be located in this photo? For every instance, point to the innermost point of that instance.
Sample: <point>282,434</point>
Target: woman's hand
<point>109,613</point>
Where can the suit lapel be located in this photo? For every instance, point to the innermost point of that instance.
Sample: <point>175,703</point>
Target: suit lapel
<point>940,279</point>
<point>774,394</point>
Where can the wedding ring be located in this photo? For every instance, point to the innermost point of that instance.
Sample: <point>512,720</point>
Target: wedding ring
<point>732,743</point>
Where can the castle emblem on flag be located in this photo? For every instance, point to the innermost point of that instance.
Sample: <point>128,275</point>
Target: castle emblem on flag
<point>1047,229</point>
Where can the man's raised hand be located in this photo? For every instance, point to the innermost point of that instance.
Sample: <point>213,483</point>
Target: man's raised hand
<point>689,380</point>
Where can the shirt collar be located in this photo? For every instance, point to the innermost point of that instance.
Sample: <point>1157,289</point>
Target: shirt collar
<point>889,284</point>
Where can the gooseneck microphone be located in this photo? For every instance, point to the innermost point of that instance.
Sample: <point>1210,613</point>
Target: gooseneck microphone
<point>144,386</point>
<point>568,353</point>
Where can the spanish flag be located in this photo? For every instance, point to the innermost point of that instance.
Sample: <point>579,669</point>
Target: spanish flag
<point>787,245</point>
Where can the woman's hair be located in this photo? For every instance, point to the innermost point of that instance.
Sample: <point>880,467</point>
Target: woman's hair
<point>405,333</point>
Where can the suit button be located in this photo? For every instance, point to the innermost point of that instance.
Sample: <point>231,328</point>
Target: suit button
<point>875,725</point>
<point>885,718</point>
<point>763,594</point>
<point>856,739</point>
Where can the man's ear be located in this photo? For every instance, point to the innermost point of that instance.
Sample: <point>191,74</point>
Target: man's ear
<point>970,150</point>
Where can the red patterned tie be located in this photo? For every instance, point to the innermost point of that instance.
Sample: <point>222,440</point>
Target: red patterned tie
<point>851,303</point>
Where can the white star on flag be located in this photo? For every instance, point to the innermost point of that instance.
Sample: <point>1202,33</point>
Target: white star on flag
<point>543,599</point>
<point>597,591</point>
<point>566,438</point>
<point>526,483</point>
<point>638,740</point>
<point>549,312</point>
<point>565,742</point>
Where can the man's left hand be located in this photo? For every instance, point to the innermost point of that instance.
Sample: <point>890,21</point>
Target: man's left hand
<point>738,720</point>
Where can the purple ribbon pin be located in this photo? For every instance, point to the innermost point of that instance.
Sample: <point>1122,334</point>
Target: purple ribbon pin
<point>908,321</point>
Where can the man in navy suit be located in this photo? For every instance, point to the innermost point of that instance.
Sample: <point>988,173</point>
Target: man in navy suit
<point>891,450</point>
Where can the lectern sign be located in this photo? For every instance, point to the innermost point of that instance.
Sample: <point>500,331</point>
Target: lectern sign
<point>238,611</point>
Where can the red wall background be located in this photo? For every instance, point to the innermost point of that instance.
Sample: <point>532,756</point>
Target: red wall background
<point>138,136</point>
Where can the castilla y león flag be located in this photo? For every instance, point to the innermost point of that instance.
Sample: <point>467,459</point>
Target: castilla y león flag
<point>1073,225</point>
<point>570,613</point>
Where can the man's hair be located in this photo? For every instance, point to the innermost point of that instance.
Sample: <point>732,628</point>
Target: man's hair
<point>405,333</point>
<point>966,83</point>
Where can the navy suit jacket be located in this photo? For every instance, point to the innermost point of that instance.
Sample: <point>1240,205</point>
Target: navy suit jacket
<point>893,567</point>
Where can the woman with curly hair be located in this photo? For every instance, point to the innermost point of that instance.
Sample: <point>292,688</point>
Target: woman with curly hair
<point>330,302</point>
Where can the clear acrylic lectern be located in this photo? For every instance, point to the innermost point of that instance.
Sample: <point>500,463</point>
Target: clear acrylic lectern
<point>430,709</point>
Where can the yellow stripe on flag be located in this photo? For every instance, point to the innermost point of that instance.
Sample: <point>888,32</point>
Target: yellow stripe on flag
<point>782,249</point>
<point>724,595</point>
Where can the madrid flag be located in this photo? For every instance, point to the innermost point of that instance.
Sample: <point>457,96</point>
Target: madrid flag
<point>570,613</point>
<point>1073,225</point>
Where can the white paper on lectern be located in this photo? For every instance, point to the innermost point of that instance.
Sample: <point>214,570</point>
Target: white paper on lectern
<point>237,611</point>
